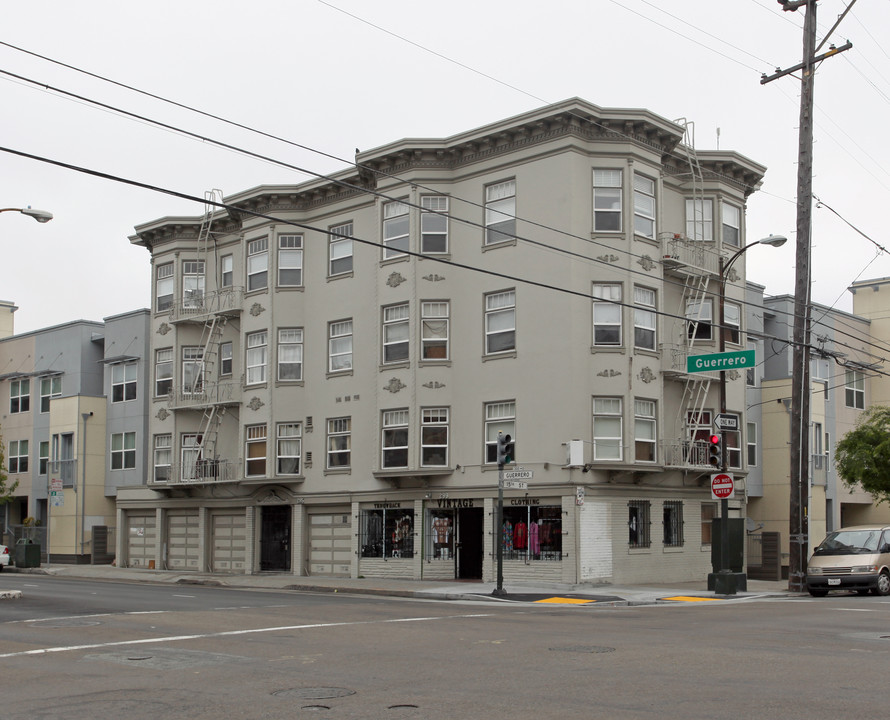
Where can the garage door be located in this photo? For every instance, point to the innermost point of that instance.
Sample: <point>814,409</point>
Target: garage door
<point>142,539</point>
<point>330,544</point>
<point>183,533</point>
<point>229,542</point>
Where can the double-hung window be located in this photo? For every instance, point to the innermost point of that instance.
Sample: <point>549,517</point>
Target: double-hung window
<point>257,346</point>
<point>193,284</point>
<point>751,441</point>
<point>163,372</point>
<point>190,453</point>
<point>290,354</point>
<point>700,219</point>
<point>339,443</point>
<point>607,429</point>
<point>732,444</point>
<point>434,437</point>
<point>17,462</point>
<point>340,346</point>
<point>699,318</point>
<point>395,439</point>
<point>434,225</point>
<point>607,314</point>
<point>164,287</point>
<point>500,417</point>
<point>644,318</point>
<point>500,212</point>
<point>163,458</point>
<point>607,200</point>
<point>258,264</point>
<point>123,451</point>
<point>192,370</point>
<point>732,323</point>
<point>290,260</point>
<point>435,322</point>
<point>19,396</point>
<point>732,225</point>
<point>255,451</point>
<point>50,387</point>
<point>226,271</point>
<point>500,322</point>
<point>854,390</point>
<point>42,457</point>
<point>340,249</point>
<point>225,358</point>
<point>396,238</point>
<point>672,513</point>
<point>395,333</point>
<point>123,383</point>
<point>645,435</point>
<point>288,448</point>
<point>644,206</point>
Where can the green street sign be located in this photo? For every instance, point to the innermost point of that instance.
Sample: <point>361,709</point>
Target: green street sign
<point>718,362</point>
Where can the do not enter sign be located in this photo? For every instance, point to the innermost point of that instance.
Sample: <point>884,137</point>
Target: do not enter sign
<point>722,486</point>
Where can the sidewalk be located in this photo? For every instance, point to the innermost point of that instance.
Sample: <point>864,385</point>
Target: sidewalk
<point>609,595</point>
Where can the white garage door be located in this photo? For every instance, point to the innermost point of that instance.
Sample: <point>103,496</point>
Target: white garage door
<point>229,542</point>
<point>183,552</point>
<point>142,539</point>
<point>330,544</point>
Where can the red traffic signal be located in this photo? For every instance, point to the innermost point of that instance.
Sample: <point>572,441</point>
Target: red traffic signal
<point>715,451</point>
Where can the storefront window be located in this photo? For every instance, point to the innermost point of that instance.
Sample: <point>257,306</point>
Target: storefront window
<point>440,538</point>
<point>532,532</point>
<point>388,533</point>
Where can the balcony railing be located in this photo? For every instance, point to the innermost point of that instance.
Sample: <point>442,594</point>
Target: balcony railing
<point>206,393</point>
<point>692,257</point>
<point>202,472</point>
<point>198,304</point>
<point>673,362</point>
<point>686,454</point>
<point>64,469</point>
<point>819,475</point>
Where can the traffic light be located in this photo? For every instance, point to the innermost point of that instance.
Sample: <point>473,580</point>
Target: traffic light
<point>715,451</point>
<point>505,449</point>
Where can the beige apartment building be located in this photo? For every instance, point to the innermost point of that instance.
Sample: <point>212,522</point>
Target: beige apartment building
<point>332,361</point>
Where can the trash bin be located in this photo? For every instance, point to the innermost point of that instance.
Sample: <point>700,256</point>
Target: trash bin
<point>27,553</point>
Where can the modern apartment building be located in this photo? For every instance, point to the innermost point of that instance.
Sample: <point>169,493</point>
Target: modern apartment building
<point>331,362</point>
<point>73,422</point>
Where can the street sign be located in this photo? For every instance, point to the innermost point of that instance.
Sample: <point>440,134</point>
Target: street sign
<point>55,484</point>
<point>725,421</point>
<point>718,362</point>
<point>722,486</point>
<point>519,475</point>
<point>514,485</point>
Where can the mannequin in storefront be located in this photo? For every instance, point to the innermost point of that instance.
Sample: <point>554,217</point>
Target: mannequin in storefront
<point>441,536</point>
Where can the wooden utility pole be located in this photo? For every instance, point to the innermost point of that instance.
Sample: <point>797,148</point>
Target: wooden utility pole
<point>800,372</point>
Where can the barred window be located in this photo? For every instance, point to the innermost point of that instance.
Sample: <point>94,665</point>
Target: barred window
<point>673,523</point>
<point>638,523</point>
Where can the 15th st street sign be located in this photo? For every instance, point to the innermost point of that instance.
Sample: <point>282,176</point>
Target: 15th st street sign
<point>718,362</point>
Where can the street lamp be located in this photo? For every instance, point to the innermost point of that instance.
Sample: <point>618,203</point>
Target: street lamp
<point>774,241</point>
<point>41,216</point>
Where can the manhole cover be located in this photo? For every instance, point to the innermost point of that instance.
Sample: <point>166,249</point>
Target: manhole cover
<point>317,693</point>
<point>584,649</point>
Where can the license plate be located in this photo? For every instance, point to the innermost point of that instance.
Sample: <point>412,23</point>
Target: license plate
<point>834,581</point>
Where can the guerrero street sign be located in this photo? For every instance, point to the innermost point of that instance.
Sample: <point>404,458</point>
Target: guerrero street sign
<point>718,362</point>
<point>722,486</point>
<point>519,475</point>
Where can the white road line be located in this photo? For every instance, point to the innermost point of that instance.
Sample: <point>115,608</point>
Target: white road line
<point>230,633</point>
<point>184,596</point>
<point>852,609</point>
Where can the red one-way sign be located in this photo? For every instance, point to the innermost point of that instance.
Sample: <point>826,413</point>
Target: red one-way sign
<point>722,486</point>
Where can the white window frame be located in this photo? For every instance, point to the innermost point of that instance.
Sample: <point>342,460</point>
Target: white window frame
<point>732,323</point>
<point>123,382</point>
<point>53,390</point>
<point>17,460</point>
<point>645,431</point>
<point>123,451</point>
<point>434,433</point>
<point>339,443</point>
<point>608,200</point>
<point>700,319</point>
<point>192,370</point>
<point>732,225</point>
<point>700,219</point>
<point>396,333</point>
<point>42,457</point>
<point>258,264</point>
<point>340,346</point>
<point>163,458</point>
<point>255,440</point>
<point>226,271</point>
<point>751,372</point>
<point>732,447</point>
<point>434,225</point>
<point>394,439</point>
<point>607,314</point>
<point>500,322</point>
<point>396,229</point>
<point>290,354</point>
<point>193,283</point>
<point>499,417</point>
<point>608,445</point>
<point>500,212</point>
<point>191,451</point>
<point>164,287</point>
<point>644,206</point>
<point>257,357</point>
<point>288,448</point>
<point>226,359</point>
<point>645,319</point>
<point>290,260</point>
<point>340,250</point>
<point>435,324</point>
<point>854,389</point>
<point>19,396</point>
<point>751,444</point>
<point>163,360</point>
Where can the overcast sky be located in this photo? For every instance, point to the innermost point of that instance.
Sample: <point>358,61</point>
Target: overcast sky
<point>344,74</point>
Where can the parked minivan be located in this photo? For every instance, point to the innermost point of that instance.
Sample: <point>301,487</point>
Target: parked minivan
<point>854,558</point>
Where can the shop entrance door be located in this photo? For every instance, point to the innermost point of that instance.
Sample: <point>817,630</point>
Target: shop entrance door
<point>275,538</point>
<point>469,544</point>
